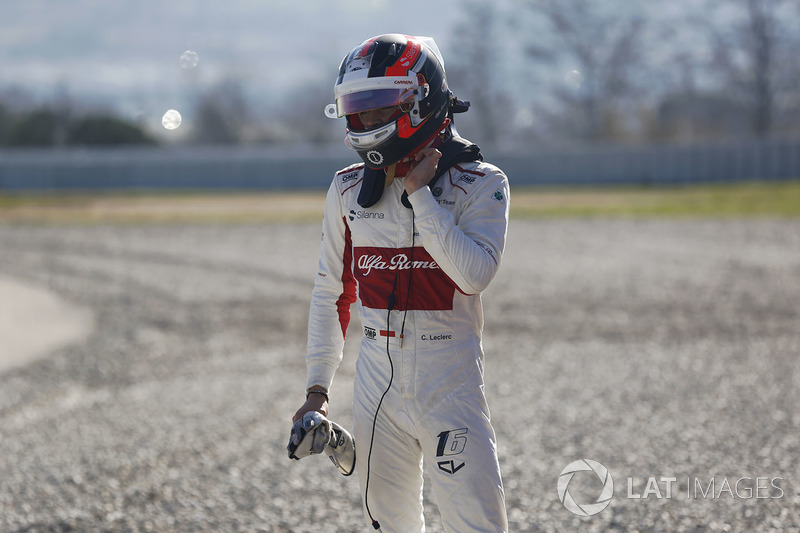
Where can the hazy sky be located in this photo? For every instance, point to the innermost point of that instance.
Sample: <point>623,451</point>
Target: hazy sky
<point>127,51</point>
<point>124,54</point>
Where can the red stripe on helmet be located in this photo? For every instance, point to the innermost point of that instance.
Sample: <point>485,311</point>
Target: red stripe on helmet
<point>406,59</point>
<point>404,127</point>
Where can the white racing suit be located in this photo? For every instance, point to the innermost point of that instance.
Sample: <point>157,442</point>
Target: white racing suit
<point>428,345</point>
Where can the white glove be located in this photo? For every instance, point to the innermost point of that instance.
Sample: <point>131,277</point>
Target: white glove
<point>314,434</point>
<point>309,435</point>
<point>342,449</point>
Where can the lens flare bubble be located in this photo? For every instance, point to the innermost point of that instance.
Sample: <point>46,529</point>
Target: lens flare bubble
<point>171,119</point>
<point>189,59</point>
<point>574,79</point>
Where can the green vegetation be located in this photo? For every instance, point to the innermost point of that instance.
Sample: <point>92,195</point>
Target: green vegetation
<point>162,207</point>
<point>773,199</point>
<point>54,126</point>
<point>758,199</point>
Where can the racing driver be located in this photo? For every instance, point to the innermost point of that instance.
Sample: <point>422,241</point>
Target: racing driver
<point>414,233</point>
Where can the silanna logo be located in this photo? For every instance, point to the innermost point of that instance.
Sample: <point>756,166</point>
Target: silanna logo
<point>365,215</point>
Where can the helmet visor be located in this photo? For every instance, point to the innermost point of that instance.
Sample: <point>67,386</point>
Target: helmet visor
<point>372,99</point>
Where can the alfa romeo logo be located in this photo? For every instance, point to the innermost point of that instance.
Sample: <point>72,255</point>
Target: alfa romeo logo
<point>375,157</point>
<point>586,509</point>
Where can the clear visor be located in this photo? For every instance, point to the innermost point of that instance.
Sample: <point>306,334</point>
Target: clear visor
<point>372,99</point>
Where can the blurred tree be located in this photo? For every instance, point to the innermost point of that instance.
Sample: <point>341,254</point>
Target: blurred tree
<point>598,52</point>
<point>753,57</point>
<point>52,125</point>
<point>221,115</point>
<point>42,127</point>
<point>689,116</point>
<point>302,118</point>
<point>5,125</point>
<point>106,130</point>
<point>476,71</point>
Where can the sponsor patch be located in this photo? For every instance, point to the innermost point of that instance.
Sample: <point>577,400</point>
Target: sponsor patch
<point>350,176</point>
<point>451,443</point>
<point>365,215</point>
<point>381,272</point>
<point>487,250</point>
<point>434,337</point>
<point>375,157</point>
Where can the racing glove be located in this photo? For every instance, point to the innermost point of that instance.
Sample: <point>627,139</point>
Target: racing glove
<point>314,434</point>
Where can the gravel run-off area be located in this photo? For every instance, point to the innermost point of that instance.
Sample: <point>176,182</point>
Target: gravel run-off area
<point>658,348</point>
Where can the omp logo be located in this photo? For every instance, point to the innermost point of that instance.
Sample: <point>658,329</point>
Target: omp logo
<point>586,509</point>
<point>350,176</point>
<point>364,215</point>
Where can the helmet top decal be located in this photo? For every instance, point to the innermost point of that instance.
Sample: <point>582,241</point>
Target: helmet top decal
<point>391,71</point>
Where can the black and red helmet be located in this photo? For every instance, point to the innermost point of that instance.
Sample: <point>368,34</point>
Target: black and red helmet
<point>385,71</point>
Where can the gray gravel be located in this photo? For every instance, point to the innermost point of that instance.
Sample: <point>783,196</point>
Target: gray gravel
<point>657,348</point>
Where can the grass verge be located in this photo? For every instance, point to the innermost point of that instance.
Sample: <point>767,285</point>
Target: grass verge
<point>761,199</point>
<point>756,199</point>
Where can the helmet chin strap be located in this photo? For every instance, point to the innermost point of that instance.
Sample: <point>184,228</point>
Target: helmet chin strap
<point>390,170</point>
<point>376,180</point>
<point>402,167</point>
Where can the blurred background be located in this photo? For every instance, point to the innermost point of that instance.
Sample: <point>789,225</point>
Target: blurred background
<point>151,154</point>
<point>135,94</point>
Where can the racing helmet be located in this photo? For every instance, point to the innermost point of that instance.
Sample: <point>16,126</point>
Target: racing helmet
<point>392,70</point>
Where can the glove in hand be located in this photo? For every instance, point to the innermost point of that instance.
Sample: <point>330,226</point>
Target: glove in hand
<point>309,435</point>
<point>314,434</point>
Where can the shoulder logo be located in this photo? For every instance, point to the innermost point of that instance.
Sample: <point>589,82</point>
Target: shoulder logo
<point>349,176</point>
<point>351,168</point>
<point>363,214</point>
<point>499,196</point>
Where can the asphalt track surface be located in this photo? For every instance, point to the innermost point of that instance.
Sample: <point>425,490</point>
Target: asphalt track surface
<point>35,322</point>
<point>659,349</point>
